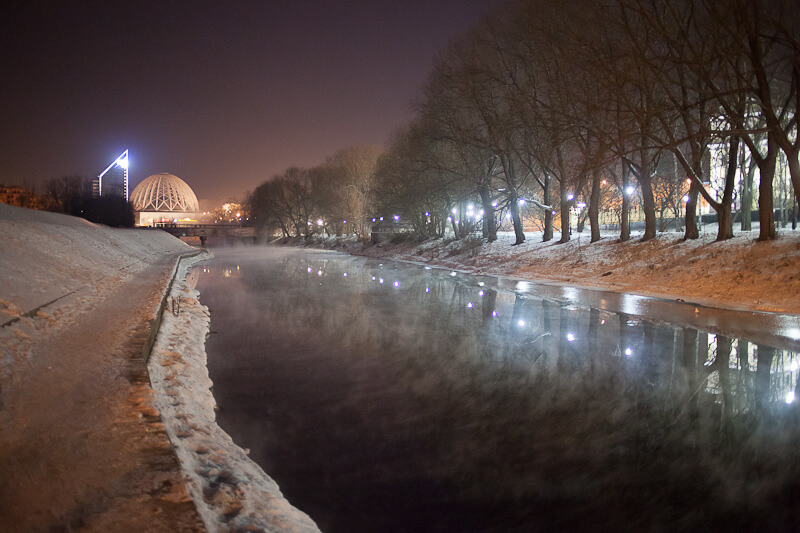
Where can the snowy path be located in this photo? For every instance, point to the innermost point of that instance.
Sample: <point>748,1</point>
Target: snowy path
<point>82,446</point>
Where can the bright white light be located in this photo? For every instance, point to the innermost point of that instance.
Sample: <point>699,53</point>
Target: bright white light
<point>494,204</point>
<point>319,222</point>
<point>427,289</point>
<point>458,221</point>
<point>686,198</point>
<point>790,396</point>
<point>449,219</point>
<point>381,219</point>
<point>396,283</point>
<point>793,366</point>
<point>454,211</point>
<point>508,215</point>
<point>628,352</point>
<point>453,273</point>
<point>482,212</point>
<point>122,161</point>
<point>319,272</point>
<point>427,268</point>
<point>397,217</point>
<point>344,275</point>
<point>554,213</point>
<point>374,219</point>
<point>521,201</point>
<point>629,190</point>
<point>570,196</point>
<point>469,305</point>
<point>470,207</point>
<point>308,269</point>
<point>581,205</point>
<point>570,337</point>
<point>373,278</point>
<point>480,293</point>
<point>427,214</point>
<point>481,284</point>
<point>344,222</point>
<point>494,313</point>
<point>793,333</point>
<point>380,280</point>
<point>521,323</point>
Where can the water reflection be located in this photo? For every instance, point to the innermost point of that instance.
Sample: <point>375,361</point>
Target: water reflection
<point>397,398</point>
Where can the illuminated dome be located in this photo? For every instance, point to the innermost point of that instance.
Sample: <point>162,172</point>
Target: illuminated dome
<point>164,192</point>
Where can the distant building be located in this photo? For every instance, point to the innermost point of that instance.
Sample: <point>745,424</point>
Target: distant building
<point>18,196</point>
<point>164,198</point>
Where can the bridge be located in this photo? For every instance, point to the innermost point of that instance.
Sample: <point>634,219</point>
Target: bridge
<point>204,231</point>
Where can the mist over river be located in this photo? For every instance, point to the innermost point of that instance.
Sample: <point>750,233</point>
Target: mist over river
<point>393,397</point>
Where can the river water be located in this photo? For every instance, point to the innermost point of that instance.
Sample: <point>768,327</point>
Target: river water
<point>393,397</point>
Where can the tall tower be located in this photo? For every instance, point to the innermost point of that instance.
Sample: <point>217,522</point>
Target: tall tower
<point>114,179</point>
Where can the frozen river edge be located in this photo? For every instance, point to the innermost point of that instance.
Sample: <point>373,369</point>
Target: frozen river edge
<point>230,491</point>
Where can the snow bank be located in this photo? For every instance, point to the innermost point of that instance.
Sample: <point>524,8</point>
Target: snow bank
<point>230,491</point>
<point>53,268</point>
<point>47,256</point>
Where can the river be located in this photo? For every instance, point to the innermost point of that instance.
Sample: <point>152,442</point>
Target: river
<point>394,397</point>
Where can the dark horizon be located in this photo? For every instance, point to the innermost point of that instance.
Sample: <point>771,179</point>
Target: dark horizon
<point>222,96</point>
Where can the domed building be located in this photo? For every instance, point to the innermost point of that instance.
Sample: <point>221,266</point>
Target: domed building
<point>164,198</point>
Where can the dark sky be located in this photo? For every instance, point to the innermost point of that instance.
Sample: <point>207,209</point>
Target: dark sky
<point>221,94</point>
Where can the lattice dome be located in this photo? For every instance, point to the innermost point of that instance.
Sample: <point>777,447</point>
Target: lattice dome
<point>164,192</point>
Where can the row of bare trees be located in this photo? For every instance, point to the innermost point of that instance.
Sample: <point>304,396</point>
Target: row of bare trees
<point>547,105</point>
<point>333,198</point>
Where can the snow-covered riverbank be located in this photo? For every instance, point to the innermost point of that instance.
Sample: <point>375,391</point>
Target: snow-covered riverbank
<point>231,492</point>
<point>740,273</point>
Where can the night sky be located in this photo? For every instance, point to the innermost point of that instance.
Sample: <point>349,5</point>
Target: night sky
<point>221,94</point>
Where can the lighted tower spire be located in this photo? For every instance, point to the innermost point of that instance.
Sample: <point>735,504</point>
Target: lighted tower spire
<point>114,179</point>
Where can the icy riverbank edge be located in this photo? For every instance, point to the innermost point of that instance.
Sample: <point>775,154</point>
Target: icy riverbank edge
<point>230,491</point>
<point>740,273</point>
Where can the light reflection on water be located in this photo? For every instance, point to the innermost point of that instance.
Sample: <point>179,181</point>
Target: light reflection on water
<point>388,397</point>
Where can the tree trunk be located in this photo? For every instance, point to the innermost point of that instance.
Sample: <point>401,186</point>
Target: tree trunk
<point>489,222</point>
<point>648,202</point>
<point>514,208</point>
<point>725,211</point>
<point>691,231</point>
<point>594,206</point>
<point>747,196</point>
<point>794,171</point>
<point>548,215</point>
<point>565,204</point>
<point>766,214</point>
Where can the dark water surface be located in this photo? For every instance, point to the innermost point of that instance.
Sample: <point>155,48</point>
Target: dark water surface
<point>389,397</point>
